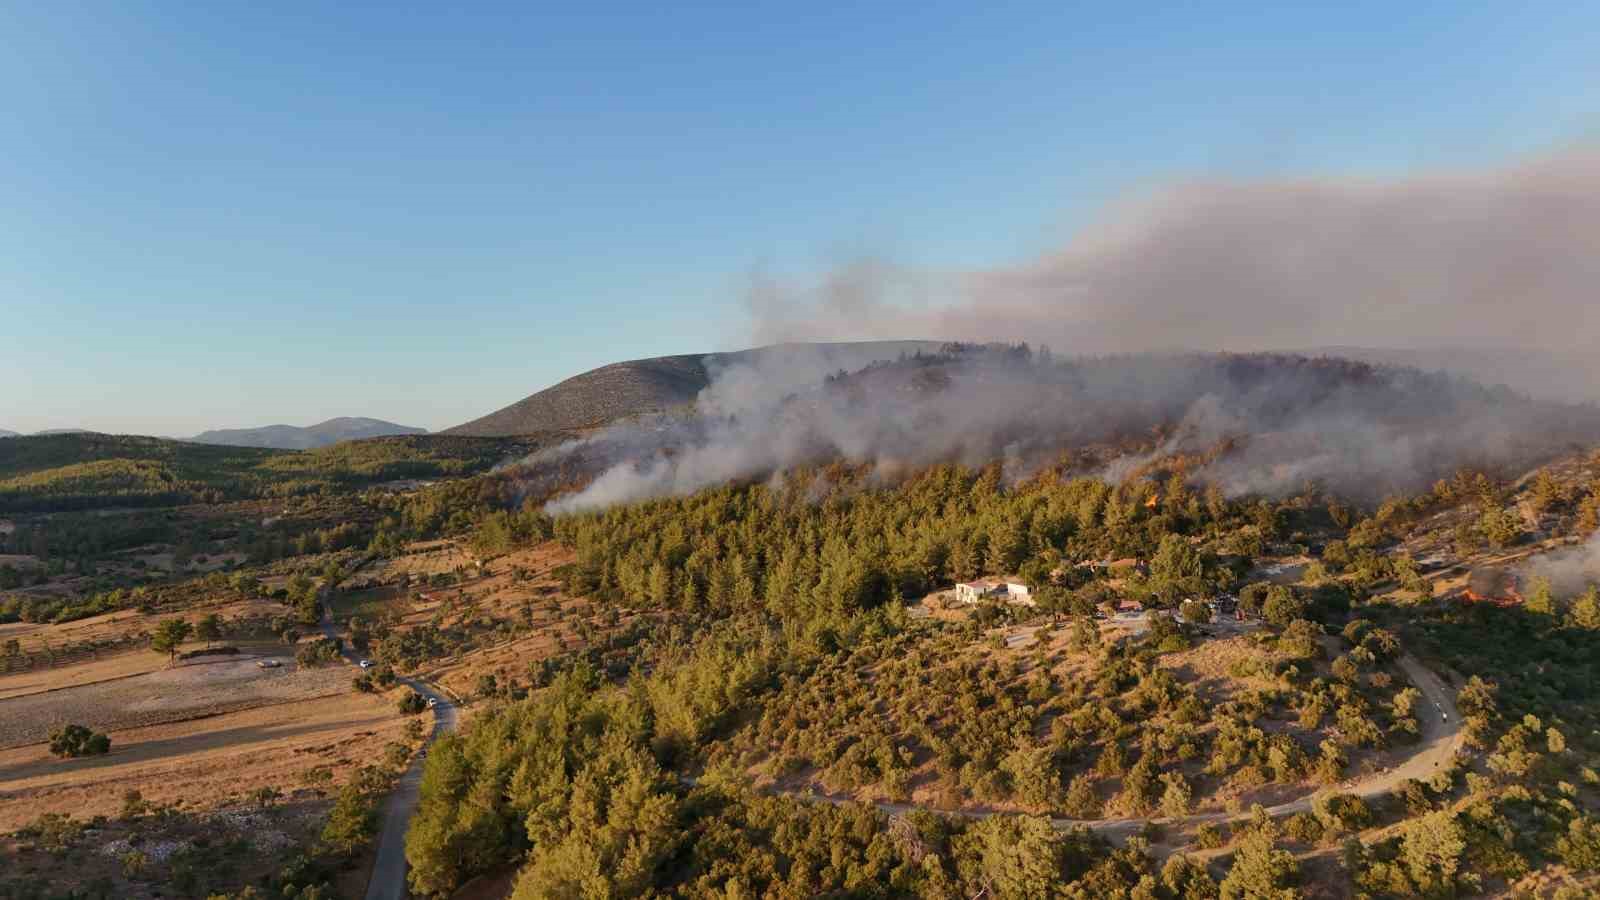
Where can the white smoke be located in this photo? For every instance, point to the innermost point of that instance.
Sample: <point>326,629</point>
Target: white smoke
<point>1504,258</point>
<point>1359,430</point>
<point>1570,570</point>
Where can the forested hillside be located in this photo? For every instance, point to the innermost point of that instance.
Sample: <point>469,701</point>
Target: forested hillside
<point>792,652</point>
<point>82,471</point>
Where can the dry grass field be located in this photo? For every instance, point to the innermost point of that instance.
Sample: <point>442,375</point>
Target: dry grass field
<point>113,625</point>
<point>109,666</point>
<point>166,695</point>
<point>202,763</point>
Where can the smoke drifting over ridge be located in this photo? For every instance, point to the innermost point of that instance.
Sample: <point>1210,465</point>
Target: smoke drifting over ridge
<point>1365,432</point>
<point>1498,258</point>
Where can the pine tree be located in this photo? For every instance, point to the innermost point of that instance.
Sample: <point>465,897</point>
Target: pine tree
<point>1585,612</point>
<point>1261,870</point>
<point>1082,801</point>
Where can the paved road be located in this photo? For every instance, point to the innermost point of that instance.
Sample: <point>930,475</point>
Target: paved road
<point>1437,716</point>
<point>388,880</point>
<point>389,872</point>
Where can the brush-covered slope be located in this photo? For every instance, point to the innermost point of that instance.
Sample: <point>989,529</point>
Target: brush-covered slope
<point>291,437</point>
<point>624,389</point>
<point>90,471</point>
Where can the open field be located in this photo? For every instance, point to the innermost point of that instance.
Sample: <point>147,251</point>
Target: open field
<point>201,761</point>
<point>167,695</point>
<point>105,667</point>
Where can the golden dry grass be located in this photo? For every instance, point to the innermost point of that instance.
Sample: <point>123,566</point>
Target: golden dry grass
<point>202,763</point>
<point>115,624</point>
<point>118,664</point>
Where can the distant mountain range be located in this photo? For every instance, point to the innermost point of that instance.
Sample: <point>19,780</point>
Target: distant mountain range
<point>291,437</point>
<point>5,434</point>
<point>639,386</point>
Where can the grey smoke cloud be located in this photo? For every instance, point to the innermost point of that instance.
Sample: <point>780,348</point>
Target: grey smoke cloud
<point>1502,258</point>
<point>1361,431</point>
<point>1571,570</point>
<point>1497,258</point>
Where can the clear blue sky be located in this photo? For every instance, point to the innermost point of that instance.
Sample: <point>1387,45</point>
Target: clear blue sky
<point>230,214</point>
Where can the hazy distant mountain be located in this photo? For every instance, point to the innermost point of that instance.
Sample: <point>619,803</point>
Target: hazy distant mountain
<point>625,389</point>
<point>291,437</point>
<point>63,431</point>
<point>5,434</point>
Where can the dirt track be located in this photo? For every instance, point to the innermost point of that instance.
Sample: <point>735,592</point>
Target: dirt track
<point>1441,739</point>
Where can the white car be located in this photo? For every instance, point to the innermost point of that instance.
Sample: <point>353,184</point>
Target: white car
<point>365,664</point>
<point>432,702</point>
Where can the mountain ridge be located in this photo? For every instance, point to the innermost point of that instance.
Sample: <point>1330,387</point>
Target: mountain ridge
<point>654,384</point>
<point>293,437</point>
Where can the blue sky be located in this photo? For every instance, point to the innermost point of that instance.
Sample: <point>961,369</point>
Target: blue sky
<point>231,214</point>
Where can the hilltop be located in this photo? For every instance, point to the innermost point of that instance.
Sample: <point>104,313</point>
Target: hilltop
<point>292,437</point>
<point>621,390</point>
<point>1541,374</point>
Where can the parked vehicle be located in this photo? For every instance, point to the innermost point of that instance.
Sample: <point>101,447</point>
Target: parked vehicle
<point>366,664</point>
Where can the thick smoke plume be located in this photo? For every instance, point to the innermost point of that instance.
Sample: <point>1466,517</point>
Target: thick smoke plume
<point>1480,260</point>
<point>1357,429</point>
<point>1493,273</point>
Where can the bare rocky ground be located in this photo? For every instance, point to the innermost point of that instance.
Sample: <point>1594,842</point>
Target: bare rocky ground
<point>167,695</point>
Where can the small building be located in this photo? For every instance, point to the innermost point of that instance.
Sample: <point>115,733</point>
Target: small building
<point>1492,584</point>
<point>1127,606</point>
<point>997,589</point>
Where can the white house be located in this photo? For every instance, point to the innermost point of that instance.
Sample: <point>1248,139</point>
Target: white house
<point>994,589</point>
